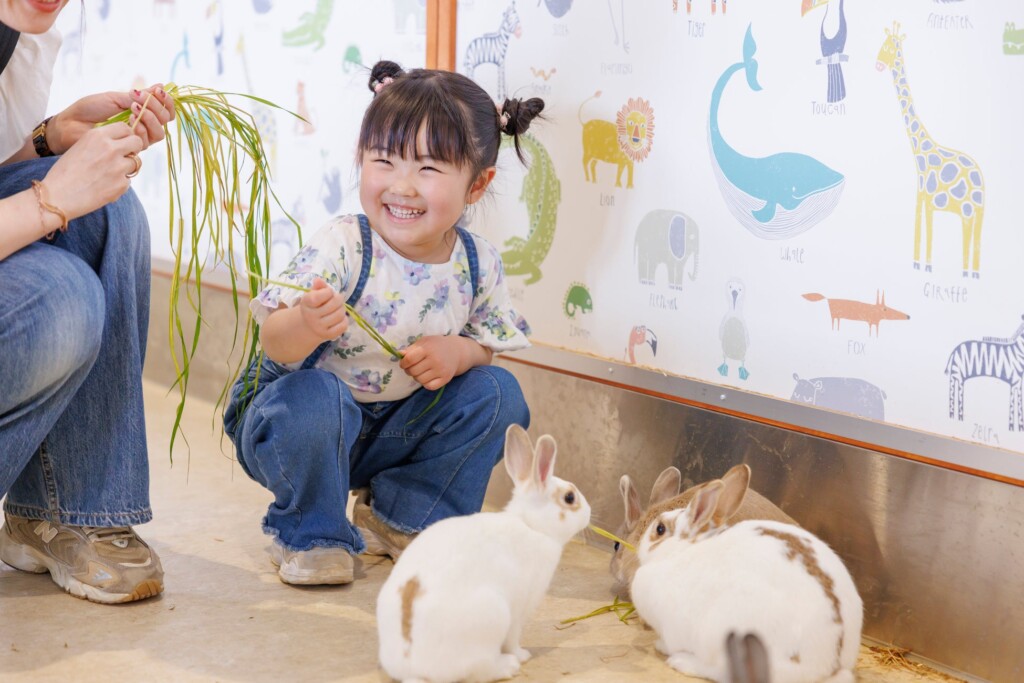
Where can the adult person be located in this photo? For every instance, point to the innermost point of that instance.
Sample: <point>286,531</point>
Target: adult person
<point>74,310</point>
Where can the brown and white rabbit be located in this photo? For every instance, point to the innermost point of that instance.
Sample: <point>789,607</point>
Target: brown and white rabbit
<point>665,496</point>
<point>699,580</point>
<point>457,599</point>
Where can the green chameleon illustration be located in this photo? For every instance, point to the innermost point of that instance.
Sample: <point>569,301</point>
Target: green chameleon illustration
<point>541,193</point>
<point>311,28</point>
<point>577,299</point>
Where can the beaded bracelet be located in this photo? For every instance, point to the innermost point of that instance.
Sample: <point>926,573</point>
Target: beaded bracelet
<point>40,189</point>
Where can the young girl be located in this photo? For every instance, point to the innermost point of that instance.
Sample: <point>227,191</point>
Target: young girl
<point>332,410</point>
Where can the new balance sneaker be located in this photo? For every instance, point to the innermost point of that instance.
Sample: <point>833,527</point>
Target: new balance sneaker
<point>380,538</point>
<point>314,567</point>
<point>107,565</point>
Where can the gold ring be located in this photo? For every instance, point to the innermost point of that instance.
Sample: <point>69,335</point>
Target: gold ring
<point>138,165</point>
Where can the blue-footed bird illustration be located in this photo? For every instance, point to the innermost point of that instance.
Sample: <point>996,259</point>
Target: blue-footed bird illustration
<point>774,197</point>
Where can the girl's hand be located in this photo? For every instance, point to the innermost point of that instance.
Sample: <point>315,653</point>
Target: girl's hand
<point>94,172</point>
<point>68,127</point>
<point>323,311</point>
<point>433,361</point>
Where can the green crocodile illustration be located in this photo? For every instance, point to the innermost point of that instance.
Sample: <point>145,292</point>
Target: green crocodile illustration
<point>311,28</point>
<point>542,192</point>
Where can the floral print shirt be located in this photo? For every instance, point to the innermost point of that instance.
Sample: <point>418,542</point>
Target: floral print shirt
<point>403,300</point>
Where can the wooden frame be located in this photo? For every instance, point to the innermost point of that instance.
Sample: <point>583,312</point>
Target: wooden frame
<point>441,16</point>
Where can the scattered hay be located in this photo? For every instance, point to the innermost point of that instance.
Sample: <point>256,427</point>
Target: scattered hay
<point>896,658</point>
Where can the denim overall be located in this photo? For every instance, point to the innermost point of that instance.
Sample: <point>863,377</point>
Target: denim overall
<point>74,315</point>
<point>306,439</point>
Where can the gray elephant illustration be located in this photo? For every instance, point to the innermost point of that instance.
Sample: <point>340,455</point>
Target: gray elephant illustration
<point>417,9</point>
<point>669,237</point>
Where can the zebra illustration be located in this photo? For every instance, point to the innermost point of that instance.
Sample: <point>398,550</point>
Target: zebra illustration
<point>490,48</point>
<point>989,357</point>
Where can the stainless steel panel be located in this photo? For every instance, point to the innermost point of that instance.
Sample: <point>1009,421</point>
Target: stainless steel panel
<point>938,556</point>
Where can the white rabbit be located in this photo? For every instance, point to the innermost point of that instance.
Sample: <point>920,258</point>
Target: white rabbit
<point>665,496</point>
<point>457,599</point>
<point>699,580</point>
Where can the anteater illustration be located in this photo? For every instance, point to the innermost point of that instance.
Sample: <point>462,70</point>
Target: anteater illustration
<point>872,314</point>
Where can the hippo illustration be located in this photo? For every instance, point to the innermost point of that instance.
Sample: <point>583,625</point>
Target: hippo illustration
<point>845,394</point>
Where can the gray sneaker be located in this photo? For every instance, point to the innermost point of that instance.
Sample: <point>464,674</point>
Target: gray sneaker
<point>380,538</point>
<point>314,567</point>
<point>107,565</point>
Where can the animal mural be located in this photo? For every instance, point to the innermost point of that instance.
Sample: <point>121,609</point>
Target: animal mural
<point>330,187</point>
<point>262,114</point>
<point>622,23</point>
<point>353,59</point>
<point>577,298</point>
<point>1002,359</point>
<point>558,8</point>
<point>410,9</point>
<point>218,38</point>
<point>732,332</point>
<point>626,141</point>
<point>1013,39</point>
<point>774,197</point>
<point>181,56</point>
<point>669,238</point>
<point>845,394</point>
<point>947,179</point>
<point>848,309</point>
<point>689,6</point>
<point>831,48</point>
<point>303,125</point>
<point>312,27</point>
<point>542,192</point>
<point>491,48</point>
<point>639,335</point>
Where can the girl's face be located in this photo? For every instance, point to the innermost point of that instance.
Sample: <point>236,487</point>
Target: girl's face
<point>414,203</point>
<point>30,16</point>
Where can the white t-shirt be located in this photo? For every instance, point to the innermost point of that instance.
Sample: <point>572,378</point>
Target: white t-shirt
<point>25,88</point>
<point>403,300</point>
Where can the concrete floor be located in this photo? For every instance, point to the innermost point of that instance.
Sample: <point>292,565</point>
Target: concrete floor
<point>225,616</point>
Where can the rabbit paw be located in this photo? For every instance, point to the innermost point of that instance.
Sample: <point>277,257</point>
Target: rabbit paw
<point>659,645</point>
<point>689,664</point>
<point>522,654</point>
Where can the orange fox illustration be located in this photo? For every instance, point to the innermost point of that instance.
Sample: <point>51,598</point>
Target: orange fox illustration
<point>872,314</point>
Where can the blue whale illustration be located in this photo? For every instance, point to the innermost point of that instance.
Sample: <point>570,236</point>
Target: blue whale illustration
<point>776,196</point>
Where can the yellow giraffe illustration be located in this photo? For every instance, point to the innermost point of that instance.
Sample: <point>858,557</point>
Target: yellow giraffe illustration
<point>947,179</point>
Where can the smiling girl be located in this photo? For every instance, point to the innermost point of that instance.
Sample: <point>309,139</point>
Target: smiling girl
<point>332,410</point>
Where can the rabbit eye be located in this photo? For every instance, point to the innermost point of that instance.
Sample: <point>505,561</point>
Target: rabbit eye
<point>570,498</point>
<point>616,546</point>
<point>661,529</point>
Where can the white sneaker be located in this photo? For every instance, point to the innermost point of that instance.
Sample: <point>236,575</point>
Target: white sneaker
<point>314,567</point>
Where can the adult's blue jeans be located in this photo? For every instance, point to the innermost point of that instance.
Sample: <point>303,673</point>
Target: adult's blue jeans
<point>74,314</point>
<point>306,439</point>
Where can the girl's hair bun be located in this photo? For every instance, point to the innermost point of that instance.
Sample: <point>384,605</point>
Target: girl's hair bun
<point>519,114</point>
<point>382,73</point>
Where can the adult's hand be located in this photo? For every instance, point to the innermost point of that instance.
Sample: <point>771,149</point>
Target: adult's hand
<point>94,172</point>
<point>69,126</point>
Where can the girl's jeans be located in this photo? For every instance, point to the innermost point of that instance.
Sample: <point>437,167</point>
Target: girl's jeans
<point>309,441</point>
<point>74,314</point>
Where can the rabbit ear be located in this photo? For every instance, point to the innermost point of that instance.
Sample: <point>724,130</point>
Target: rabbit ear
<point>630,500</point>
<point>666,486</point>
<point>736,481</point>
<point>518,454</point>
<point>702,507</point>
<point>757,658</point>
<point>544,460</point>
